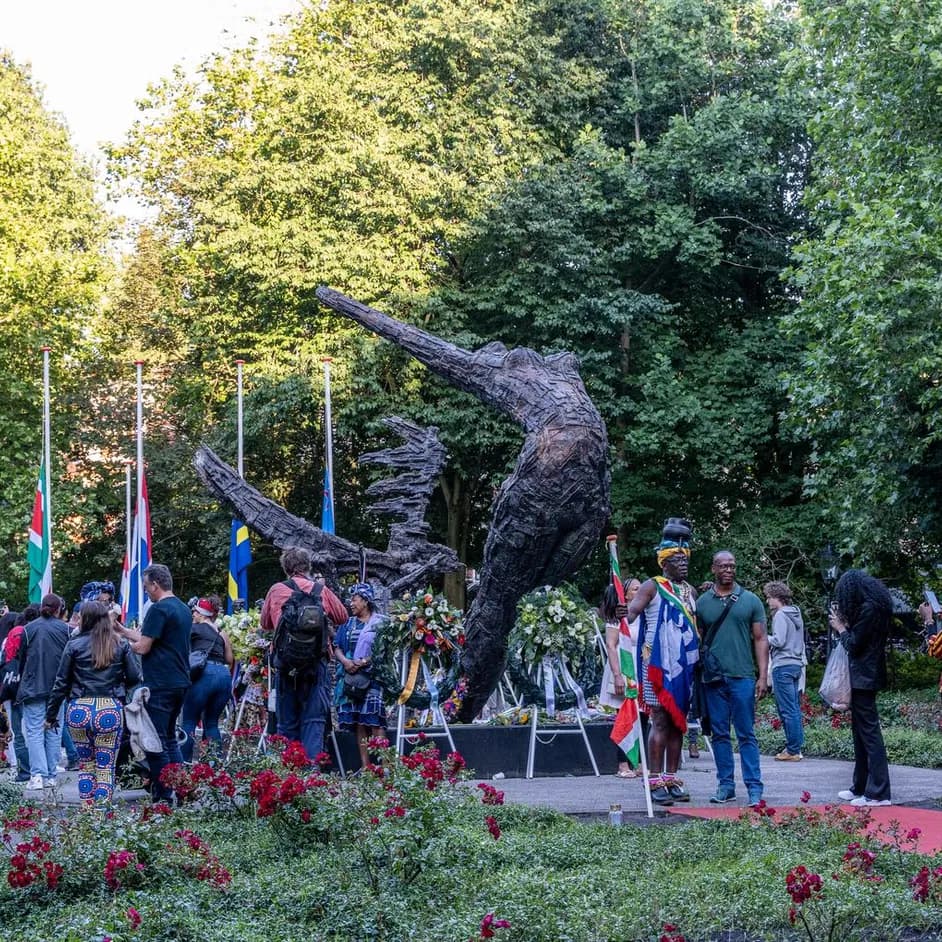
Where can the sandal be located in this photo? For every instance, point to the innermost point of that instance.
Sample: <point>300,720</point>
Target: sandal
<point>627,773</point>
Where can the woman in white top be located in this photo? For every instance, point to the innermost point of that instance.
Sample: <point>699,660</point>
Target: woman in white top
<point>613,680</point>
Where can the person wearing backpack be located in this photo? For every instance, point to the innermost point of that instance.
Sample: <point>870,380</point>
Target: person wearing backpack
<point>299,613</point>
<point>45,639</point>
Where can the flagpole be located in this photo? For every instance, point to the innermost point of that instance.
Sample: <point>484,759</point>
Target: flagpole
<point>128,511</point>
<point>612,543</point>
<point>139,366</point>
<point>239,365</point>
<point>329,433</point>
<point>47,454</point>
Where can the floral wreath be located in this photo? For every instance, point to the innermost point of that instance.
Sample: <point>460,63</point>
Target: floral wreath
<point>422,624</point>
<point>553,622</point>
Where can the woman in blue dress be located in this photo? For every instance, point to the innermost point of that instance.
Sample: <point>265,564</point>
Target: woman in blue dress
<point>353,649</point>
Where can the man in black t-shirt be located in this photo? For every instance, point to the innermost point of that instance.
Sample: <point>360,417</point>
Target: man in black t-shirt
<point>164,645</point>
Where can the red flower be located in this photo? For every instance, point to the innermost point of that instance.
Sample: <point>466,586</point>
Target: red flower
<point>489,925</point>
<point>323,759</point>
<point>134,917</point>
<point>491,795</point>
<point>805,797</point>
<point>493,827</point>
<point>671,933</point>
<point>294,756</point>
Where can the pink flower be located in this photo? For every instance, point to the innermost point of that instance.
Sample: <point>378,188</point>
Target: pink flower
<point>134,917</point>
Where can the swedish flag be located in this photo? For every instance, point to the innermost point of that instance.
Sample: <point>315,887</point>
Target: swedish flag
<point>240,557</point>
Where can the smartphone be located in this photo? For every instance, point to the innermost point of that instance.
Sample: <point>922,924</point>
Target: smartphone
<point>933,601</point>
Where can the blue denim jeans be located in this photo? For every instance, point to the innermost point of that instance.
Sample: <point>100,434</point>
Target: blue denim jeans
<point>19,739</point>
<point>302,710</point>
<point>163,708</point>
<point>204,703</point>
<point>44,745</point>
<point>71,753</point>
<point>785,687</point>
<point>733,702</point>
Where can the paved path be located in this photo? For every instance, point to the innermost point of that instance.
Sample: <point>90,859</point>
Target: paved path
<point>784,782</point>
<point>588,795</point>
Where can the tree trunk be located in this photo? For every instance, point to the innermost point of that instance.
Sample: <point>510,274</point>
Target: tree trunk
<point>458,507</point>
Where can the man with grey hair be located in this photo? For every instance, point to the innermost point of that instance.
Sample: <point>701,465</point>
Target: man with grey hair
<point>302,701</point>
<point>164,645</point>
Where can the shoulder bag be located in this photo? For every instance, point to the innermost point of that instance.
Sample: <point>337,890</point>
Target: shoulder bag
<point>712,672</point>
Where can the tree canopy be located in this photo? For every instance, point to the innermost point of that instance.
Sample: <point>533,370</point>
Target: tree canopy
<point>866,390</point>
<point>626,180</point>
<point>54,268</point>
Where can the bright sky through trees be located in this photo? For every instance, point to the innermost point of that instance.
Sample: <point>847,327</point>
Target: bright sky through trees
<point>96,58</point>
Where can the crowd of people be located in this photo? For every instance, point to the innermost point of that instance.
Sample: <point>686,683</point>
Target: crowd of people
<point>702,656</point>
<point>705,656</point>
<point>66,684</point>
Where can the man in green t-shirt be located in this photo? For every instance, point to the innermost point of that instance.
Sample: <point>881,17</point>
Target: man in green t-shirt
<point>735,618</point>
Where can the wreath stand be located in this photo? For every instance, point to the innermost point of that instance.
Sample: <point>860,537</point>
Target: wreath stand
<point>251,697</point>
<point>436,710</point>
<point>548,682</point>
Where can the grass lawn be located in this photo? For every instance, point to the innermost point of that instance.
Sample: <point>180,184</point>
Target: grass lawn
<point>271,851</point>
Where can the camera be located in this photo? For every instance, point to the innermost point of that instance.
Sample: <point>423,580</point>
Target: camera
<point>677,529</point>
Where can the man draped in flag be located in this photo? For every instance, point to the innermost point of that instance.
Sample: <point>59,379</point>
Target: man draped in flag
<point>39,551</point>
<point>670,649</point>
<point>240,557</point>
<point>134,601</point>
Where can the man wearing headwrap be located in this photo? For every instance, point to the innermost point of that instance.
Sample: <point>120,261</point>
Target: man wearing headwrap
<point>666,604</point>
<point>301,706</point>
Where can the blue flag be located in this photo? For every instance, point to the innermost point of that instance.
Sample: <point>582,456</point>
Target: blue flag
<point>327,512</point>
<point>240,557</point>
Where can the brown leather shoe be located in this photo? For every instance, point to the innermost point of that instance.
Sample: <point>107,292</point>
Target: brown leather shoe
<point>694,751</point>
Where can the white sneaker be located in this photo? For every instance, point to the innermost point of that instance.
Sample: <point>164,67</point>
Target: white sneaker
<point>35,783</point>
<point>864,802</point>
<point>49,783</point>
<point>847,795</point>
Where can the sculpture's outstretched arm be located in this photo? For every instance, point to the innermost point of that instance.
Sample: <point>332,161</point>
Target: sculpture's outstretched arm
<point>472,373</point>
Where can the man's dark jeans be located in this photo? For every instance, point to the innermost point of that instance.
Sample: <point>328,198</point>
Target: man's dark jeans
<point>164,707</point>
<point>303,709</point>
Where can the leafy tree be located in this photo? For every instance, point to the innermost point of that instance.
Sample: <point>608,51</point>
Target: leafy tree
<point>53,272</point>
<point>866,391</point>
<point>615,178</point>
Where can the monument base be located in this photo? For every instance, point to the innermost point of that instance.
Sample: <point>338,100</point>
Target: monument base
<point>492,749</point>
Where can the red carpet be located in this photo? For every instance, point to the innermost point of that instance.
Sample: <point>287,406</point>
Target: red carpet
<point>927,821</point>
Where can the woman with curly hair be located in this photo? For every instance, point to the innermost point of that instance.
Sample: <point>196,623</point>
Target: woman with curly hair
<point>861,618</point>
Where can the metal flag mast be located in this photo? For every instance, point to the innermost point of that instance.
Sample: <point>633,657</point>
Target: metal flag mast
<point>47,455</point>
<point>239,365</point>
<point>612,542</point>
<point>329,436</point>
<point>129,515</point>
<point>139,365</point>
